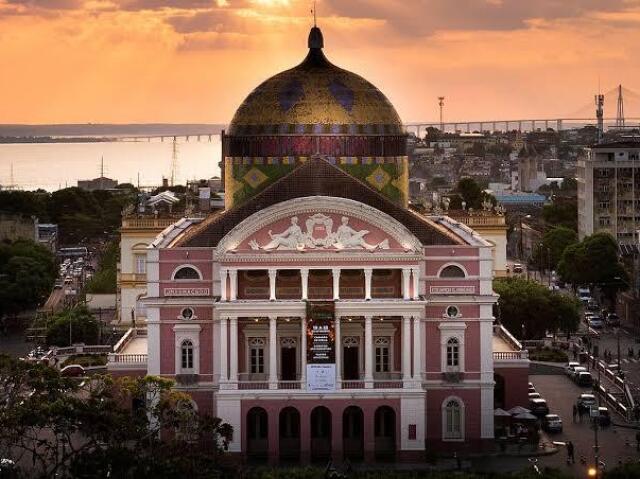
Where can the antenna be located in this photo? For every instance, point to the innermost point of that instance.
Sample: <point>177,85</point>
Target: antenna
<point>441,103</point>
<point>313,10</point>
<point>102,166</point>
<point>599,100</point>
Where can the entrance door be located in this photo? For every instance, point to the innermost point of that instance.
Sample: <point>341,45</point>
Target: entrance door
<point>351,364</point>
<point>288,364</point>
<point>353,433</point>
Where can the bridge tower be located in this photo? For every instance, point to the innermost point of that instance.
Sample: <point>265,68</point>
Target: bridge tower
<point>620,114</point>
<point>174,161</point>
<point>600,115</point>
<point>441,104</point>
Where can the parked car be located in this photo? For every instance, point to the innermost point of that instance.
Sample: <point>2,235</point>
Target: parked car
<point>613,319</point>
<point>584,295</point>
<point>534,395</point>
<point>517,268</point>
<point>584,379</point>
<point>596,322</point>
<point>532,389</point>
<point>552,423</point>
<point>72,370</point>
<point>538,407</point>
<point>585,401</point>
<point>568,369</point>
<point>604,418</point>
<point>592,305</point>
<point>577,370</point>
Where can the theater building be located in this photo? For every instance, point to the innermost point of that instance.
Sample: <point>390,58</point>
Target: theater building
<point>318,314</point>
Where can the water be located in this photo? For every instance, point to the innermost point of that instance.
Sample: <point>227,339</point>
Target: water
<point>51,166</point>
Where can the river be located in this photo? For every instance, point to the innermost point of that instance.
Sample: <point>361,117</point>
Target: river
<point>52,166</point>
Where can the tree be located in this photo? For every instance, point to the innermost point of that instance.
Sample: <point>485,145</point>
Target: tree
<point>54,426</point>
<point>470,192</point>
<point>105,279</point>
<point>72,326</point>
<point>594,261</point>
<point>554,242</point>
<point>569,184</point>
<point>563,213</point>
<point>529,309</point>
<point>27,273</point>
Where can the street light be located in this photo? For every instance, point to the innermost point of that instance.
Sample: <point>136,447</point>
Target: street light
<point>592,472</point>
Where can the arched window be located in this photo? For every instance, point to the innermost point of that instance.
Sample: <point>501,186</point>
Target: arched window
<point>453,426</point>
<point>187,272</point>
<point>186,352</point>
<point>452,271</point>
<point>453,352</point>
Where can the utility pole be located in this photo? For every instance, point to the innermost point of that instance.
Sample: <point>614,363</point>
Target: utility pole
<point>441,104</point>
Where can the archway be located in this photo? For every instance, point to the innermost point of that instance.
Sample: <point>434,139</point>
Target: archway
<point>385,433</point>
<point>320,434</point>
<point>257,434</point>
<point>499,392</point>
<point>353,433</point>
<point>289,434</point>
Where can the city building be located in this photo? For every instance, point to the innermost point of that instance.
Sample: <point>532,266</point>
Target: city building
<point>609,190</point>
<point>317,314</point>
<point>96,184</point>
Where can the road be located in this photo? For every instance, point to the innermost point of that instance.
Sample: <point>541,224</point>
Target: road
<point>561,393</point>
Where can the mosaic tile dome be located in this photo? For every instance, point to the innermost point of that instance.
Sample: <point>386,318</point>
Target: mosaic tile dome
<point>316,97</point>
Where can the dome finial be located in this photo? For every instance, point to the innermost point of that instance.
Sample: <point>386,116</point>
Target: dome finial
<point>316,41</point>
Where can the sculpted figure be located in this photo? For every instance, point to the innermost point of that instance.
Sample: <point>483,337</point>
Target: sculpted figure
<point>291,238</point>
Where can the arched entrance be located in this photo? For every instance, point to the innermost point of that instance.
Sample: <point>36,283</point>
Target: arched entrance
<point>257,434</point>
<point>385,433</point>
<point>320,434</point>
<point>353,433</point>
<point>499,392</point>
<point>289,434</point>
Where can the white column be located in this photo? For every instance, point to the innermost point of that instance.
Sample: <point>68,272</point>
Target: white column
<point>223,284</point>
<point>273,356</point>
<point>417,352</point>
<point>406,278</point>
<point>233,351</point>
<point>406,350</point>
<point>304,275</point>
<point>338,352</point>
<point>233,286</point>
<point>368,351</point>
<point>272,284</point>
<point>368,272</point>
<point>303,353</point>
<point>223,351</point>
<point>416,282</point>
<point>336,283</point>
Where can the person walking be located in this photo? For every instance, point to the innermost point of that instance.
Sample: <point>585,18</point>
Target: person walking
<point>570,453</point>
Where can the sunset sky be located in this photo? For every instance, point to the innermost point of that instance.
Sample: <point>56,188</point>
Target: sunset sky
<point>121,61</point>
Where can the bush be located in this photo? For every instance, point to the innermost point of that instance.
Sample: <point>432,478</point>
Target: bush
<point>105,279</point>
<point>77,324</point>
<point>85,360</point>
<point>549,354</point>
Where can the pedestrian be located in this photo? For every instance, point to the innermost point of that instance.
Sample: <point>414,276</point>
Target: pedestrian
<point>575,412</point>
<point>570,453</point>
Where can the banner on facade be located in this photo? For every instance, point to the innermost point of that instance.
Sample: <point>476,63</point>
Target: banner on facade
<point>320,333</point>
<point>321,377</point>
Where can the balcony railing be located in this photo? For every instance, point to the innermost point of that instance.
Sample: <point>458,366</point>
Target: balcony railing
<point>148,223</point>
<point>128,358</point>
<point>511,355</point>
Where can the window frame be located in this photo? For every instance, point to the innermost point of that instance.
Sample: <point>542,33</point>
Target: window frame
<point>448,434</point>
<point>186,266</point>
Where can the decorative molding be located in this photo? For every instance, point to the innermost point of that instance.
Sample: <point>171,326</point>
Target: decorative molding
<point>313,205</point>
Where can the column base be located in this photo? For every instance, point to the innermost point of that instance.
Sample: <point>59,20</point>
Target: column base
<point>273,385</point>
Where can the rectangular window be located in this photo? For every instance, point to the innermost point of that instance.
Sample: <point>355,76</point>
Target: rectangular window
<point>141,264</point>
<point>453,354</point>
<point>187,357</point>
<point>454,430</point>
<point>382,359</point>
<point>257,360</point>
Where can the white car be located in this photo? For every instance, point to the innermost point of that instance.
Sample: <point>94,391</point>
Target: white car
<point>568,369</point>
<point>577,370</point>
<point>596,323</point>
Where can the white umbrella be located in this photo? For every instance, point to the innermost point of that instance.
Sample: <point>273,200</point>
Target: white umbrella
<point>525,416</point>
<point>518,410</point>
<point>501,413</point>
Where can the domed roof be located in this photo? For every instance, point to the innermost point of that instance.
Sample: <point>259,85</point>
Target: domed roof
<point>316,97</point>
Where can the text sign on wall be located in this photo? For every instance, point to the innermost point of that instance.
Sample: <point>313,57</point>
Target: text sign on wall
<point>320,333</point>
<point>321,377</point>
<point>452,289</point>
<point>186,291</point>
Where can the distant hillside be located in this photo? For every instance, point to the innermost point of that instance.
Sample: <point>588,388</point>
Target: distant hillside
<point>110,130</point>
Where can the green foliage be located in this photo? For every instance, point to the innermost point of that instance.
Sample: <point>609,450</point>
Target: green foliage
<point>594,261</point>
<point>77,325</point>
<point>554,242</point>
<point>469,191</point>
<point>85,360</point>
<point>528,309</point>
<point>569,184</point>
<point>548,354</point>
<point>27,274</point>
<point>80,215</point>
<point>563,213</point>
<point>116,441</point>
<point>105,279</point>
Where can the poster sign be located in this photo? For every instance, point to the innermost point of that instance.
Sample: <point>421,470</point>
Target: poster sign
<point>320,333</point>
<point>321,377</point>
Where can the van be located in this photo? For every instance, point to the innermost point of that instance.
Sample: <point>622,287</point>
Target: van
<point>584,379</point>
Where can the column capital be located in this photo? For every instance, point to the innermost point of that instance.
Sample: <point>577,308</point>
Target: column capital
<point>304,271</point>
<point>272,271</point>
<point>232,271</point>
<point>368,270</point>
<point>336,270</point>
